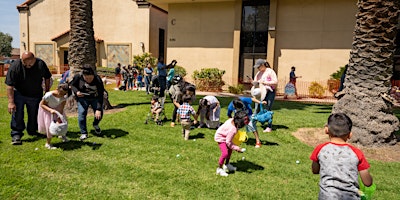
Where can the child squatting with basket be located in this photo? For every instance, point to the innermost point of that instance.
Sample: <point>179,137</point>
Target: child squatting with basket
<point>224,136</point>
<point>51,117</point>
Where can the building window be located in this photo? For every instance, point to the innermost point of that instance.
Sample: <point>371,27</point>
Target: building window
<point>254,36</point>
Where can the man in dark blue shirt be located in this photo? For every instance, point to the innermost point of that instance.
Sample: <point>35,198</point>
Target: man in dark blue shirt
<point>24,87</point>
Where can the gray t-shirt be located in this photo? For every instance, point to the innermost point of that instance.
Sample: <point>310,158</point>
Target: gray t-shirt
<point>339,166</point>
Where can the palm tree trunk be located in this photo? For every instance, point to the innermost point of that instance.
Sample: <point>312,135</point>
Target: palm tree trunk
<point>369,73</point>
<point>82,46</point>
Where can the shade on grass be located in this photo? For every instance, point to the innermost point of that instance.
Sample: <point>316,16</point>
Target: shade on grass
<point>132,160</point>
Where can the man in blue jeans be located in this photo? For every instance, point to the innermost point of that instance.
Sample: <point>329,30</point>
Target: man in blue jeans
<point>24,87</point>
<point>162,77</point>
<point>88,89</point>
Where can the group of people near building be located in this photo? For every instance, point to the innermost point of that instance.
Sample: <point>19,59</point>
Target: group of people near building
<point>338,162</point>
<point>128,78</point>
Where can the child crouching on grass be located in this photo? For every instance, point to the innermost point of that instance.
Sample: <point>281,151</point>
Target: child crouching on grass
<point>224,136</point>
<point>155,107</point>
<point>52,102</point>
<point>185,111</point>
<point>339,163</point>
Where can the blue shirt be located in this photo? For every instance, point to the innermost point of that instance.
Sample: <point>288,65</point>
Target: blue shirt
<point>247,103</point>
<point>162,69</point>
<point>140,78</point>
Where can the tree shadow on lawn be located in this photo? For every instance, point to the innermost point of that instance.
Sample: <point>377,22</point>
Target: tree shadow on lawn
<point>247,166</point>
<point>275,126</point>
<point>110,133</point>
<point>105,133</point>
<point>33,138</point>
<point>73,144</point>
<point>252,142</point>
<point>197,136</point>
<point>123,105</point>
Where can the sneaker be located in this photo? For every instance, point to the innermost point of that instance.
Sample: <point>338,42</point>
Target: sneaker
<point>258,145</point>
<point>172,124</point>
<point>83,137</point>
<point>221,172</point>
<point>16,140</point>
<point>97,129</point>
<point>267,130</point>
<point>64,139</point>
<point>49,146</point>
<point>229,167</point>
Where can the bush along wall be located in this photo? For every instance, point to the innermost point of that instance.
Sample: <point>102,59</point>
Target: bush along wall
<point>209,79</point>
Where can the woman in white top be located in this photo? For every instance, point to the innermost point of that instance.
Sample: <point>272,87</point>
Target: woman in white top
<point>52,102</point>
<point>209,111</point>
<point>266,76</point>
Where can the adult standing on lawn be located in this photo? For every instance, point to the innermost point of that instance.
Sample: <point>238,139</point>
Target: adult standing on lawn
<point>162,76</point>
<point>24,87</point>
<point>118,76</point>
<point>88,89</point>
<point>266,76</point>
<point>148,75</point>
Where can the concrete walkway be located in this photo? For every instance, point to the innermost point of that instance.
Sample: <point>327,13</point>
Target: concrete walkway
<point>247,93</point>
<point>277,98</point>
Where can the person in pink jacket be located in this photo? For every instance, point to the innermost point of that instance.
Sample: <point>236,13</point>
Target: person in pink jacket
<point>224,136</point>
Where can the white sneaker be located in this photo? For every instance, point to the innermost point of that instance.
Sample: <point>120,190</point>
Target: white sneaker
<point>267,130</point>
<point>49,146</point>
<point>221,172</point>
<point>83,137</point>
<point>229,167</point>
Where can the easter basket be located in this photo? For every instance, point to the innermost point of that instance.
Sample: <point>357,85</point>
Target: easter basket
<point>240,137</point>
<point>57,128</point>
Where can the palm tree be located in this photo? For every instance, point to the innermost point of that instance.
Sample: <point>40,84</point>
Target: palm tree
<point>82,46</point>
<point>370,69</point>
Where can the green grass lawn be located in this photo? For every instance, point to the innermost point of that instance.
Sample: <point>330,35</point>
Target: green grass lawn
<point>133,160</point>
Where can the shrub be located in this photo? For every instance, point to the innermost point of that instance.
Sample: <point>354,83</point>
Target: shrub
<point>316,90</point>
<point>236,89</point>
<point>142,60</point>
<point>105,71</point>
<point>180,70</point>
<point>209,79</point>
<point>338,74</point>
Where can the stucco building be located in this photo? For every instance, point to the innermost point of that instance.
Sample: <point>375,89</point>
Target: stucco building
<point>122,28</point>
<point>315,36</point>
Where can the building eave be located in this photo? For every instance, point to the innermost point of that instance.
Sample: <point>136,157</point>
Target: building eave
<point>65,33</point>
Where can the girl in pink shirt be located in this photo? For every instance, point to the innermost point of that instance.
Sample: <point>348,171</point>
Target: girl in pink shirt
<point>224,136</point>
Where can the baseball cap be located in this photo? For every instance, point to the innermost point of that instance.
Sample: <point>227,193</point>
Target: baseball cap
<point>259,62</point>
